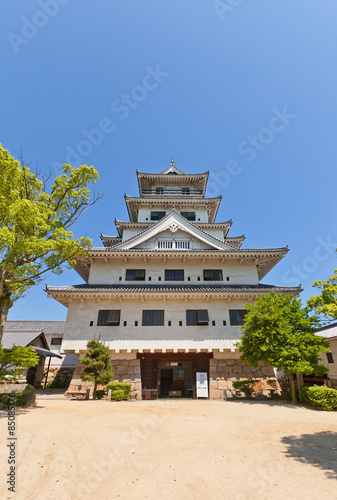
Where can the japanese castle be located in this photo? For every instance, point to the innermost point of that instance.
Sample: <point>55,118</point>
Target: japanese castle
<point>167,293</point>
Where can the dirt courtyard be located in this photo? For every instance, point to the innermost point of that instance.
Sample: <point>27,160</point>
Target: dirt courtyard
<point>170,449</point>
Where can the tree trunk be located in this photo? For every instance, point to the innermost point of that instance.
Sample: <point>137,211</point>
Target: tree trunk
<point>94,391</point>
<point>299,378</point>
<point>292,388</point>
<point>4,306</point>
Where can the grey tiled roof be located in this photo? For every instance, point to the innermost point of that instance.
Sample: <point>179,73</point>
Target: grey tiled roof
<point>47,327</point>
<point>172,288</point>
<point>22,337</point>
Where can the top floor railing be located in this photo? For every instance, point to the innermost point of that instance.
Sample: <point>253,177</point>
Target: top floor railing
<point>158,191</point>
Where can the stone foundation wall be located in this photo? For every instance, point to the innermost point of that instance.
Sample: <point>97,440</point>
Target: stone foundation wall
<point>62,375</point>
<point>223,372</point>
<point>126,370</point>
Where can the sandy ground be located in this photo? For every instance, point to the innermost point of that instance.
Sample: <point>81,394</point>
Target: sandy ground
<point>73,449</point>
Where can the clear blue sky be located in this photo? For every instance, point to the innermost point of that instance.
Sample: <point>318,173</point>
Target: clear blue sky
<point>247,92</point>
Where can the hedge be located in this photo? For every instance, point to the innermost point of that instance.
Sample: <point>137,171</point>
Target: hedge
<point>320,396</point>
<point>119,390</point>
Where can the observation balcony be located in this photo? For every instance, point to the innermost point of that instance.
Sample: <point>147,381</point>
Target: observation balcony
<point>184,191</point>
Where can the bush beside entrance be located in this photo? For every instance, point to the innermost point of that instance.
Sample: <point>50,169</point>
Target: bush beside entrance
<point>321,397</point>
<point>119,390</point>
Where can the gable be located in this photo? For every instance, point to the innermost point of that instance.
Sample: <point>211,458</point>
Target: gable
<point>173,228</point>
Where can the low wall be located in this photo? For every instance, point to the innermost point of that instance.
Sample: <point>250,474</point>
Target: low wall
<point>126,370</point>
<point>223,372</point>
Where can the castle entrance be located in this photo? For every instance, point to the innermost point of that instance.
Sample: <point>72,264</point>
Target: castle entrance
<point>167,375</point>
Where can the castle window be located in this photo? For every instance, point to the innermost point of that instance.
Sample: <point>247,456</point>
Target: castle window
<point>174,275</point>
<point>196,317</point>
<point>182,244</point>
<point>135,275</point>
<point>56,341</point>
<point>153,318</point>
<point>108,318</point>
<point>159,190</point>
<point>329,357</point>
<point>165,244</point>
<point>157,215</point>
<point>236,316</point>
<point>212,275</point>
<point>188,215</point>
<point>186,190</point>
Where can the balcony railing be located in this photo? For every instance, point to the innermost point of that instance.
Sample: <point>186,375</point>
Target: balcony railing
<point>172,192</point>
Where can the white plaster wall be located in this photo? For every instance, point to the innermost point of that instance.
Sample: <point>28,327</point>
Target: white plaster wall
<point>78,330</point>
<point>67,361</point>
<point>129,233</point>
<point>218,233</point>
<point>109,273</point>
<point>332,366</point>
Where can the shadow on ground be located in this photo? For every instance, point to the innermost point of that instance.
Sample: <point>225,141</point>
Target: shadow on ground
<point>319,450</point>
<point>272,402</point>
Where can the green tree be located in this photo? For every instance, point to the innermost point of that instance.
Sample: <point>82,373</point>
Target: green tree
<point>277,331</point>
<point>325,304</point>
<point>13,361</point>
<point>98,364</point>
<point>34,225</point>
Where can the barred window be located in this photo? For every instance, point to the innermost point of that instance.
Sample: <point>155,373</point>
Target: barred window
<point>329,357</point>
<point>157,215</point>
<point>182,244</point>
<point>153,318</point>
<point>56,341</point>
<point>196,317</point>
<point>108,317</point>
<point>236,316</point>
<point>212,275</point>
<point>174,275</point>
<point>165,244</point>
<point>188,215</point>
<point>135,275</point>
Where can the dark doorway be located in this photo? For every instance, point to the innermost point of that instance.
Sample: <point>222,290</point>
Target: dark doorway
<point>166,382</point>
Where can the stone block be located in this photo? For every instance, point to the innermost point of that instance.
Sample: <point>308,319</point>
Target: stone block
<point>222,362</point>
<point>213,362</point>
<point>237,369</point>
<point>121,370</point>
<point>234,376</point>
<point>247,369</point>
<point>213,384</point>
<point>134,362</point>
<point>222,384</point>
<point>215,394</point>
<point>231,362</point>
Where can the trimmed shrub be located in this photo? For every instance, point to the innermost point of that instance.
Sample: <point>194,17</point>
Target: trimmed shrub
<point>320,396</point>
<point>243,386</point>
<point>100,394</point>
<point>119,390</point>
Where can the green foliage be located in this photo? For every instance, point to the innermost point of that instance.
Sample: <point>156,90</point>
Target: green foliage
<point>321,397</point>
<point>13,361</point>
<point>34,224</point>
<point>245,386</point>
<point>98,363</point>
<point>279,332</point>
<point>23,398</point>
<point>119,390</point>
<point>100,394</point>
<point>325,304</point>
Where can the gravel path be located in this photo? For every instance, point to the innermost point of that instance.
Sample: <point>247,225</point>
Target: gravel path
<point>74,449</point>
